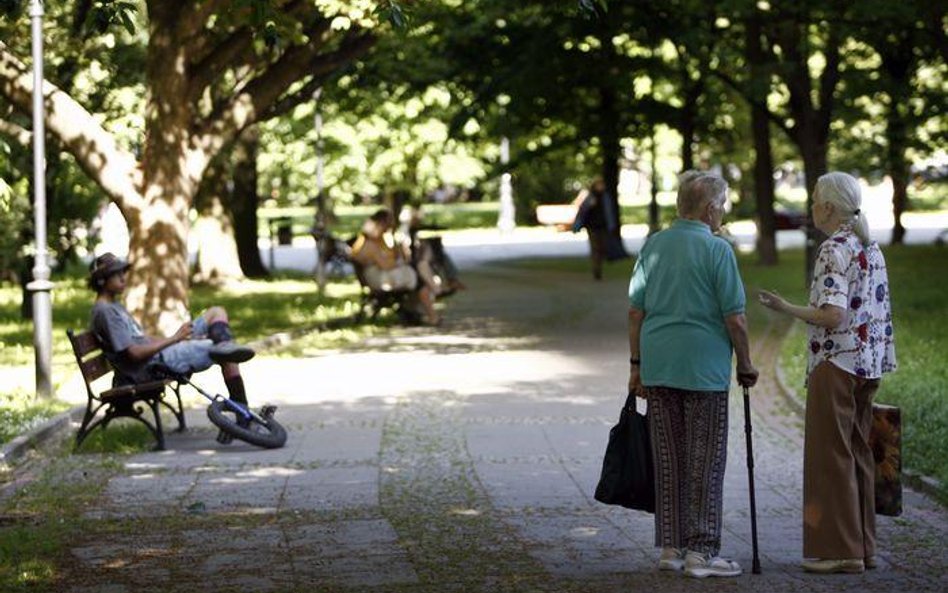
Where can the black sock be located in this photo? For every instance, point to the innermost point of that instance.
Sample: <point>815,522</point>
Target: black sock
<point>219,331</point>
<point>235,387</point>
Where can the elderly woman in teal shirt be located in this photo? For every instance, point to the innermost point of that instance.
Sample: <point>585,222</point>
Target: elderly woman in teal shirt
<point>686,317</point>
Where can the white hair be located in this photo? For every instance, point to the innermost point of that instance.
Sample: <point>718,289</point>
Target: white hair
<point>697,189</point>
<point>843,192</point>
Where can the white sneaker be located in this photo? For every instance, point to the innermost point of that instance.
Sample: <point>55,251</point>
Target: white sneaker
<point>671,559</point>
<point>699,565</point>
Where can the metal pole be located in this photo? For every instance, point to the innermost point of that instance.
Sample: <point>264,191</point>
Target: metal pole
<point>41,285</point>
<point>507,219</point>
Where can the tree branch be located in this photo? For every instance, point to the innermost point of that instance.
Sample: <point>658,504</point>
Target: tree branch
<point>775,119</point>
<point>18,134</point>
<point>232,49</point>
<point>114,169</point>
<point>261,95</point>
<point>829,79</point>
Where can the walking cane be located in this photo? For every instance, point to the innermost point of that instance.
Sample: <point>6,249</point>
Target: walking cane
<point>750,477</point>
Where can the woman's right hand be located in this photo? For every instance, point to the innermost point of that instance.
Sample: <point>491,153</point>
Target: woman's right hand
<point>771,300</point>
<point>635,382</point>
<point>183,333</point>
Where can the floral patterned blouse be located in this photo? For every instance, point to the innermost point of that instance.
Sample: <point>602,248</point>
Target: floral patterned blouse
<point>853,277</point>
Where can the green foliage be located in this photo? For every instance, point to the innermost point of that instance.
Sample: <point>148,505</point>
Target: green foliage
<point>107,13</point>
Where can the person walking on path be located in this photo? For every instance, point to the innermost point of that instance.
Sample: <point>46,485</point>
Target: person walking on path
<point>849,326</point>
<point>596,213</point>
<point>686,315</point>
<point>193,348</point>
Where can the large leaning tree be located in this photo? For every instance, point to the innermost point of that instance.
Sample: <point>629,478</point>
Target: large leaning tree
<point>213,68</point>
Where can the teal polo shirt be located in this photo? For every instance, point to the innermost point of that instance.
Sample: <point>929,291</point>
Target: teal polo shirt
<point>686,282</point>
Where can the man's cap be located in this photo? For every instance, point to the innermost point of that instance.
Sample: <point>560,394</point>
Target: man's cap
<point>105,265</point>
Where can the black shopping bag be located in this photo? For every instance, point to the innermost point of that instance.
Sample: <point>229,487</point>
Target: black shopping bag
<point>627,477</point>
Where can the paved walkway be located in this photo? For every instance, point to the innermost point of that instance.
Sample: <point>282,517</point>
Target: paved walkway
<point>457,459</point>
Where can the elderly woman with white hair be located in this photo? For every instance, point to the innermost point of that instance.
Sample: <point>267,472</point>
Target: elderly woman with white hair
<point>849,323</point>
<point>686,317</point>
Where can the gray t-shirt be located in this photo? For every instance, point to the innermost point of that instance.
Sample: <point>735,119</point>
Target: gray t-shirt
<point>117,330</point>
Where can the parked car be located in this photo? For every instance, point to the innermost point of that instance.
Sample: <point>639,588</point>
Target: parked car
<point>786,219</point>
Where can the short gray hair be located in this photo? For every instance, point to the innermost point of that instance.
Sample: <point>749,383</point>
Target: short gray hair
<point>696,189</point>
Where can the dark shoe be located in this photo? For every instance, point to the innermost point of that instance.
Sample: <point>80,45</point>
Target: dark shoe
<point>230,352</point>
<point>268,411</point>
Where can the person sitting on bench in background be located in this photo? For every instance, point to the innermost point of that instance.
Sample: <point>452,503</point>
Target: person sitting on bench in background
<point>387,265</point>
<point>136,357</point>
<point>433,263</point>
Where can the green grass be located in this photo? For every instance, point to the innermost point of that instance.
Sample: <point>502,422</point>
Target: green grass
<point>920,385</point>
<point>350,218</point>
<point>20,412</point>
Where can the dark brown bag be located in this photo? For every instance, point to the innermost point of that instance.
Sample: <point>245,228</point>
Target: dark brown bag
<point>885,440</point>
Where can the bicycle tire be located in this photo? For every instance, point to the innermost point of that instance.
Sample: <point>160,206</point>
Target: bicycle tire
<point>269,435</point>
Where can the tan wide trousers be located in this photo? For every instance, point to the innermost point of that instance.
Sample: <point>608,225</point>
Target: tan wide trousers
<point>839,518</point>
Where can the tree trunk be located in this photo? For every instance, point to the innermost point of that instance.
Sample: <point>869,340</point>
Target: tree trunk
<point>764,189</point>
<point>244,201</point>
<point>217,261</point>
<point>171,170</point>
<point>899,172</point>
<point>814,153</point>
<point>898,61</point>
<point>611,152</point>
<point>688,122</point>
<point>763,156</point>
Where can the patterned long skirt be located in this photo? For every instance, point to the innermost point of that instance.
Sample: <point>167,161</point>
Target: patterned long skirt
<point>689,444</point>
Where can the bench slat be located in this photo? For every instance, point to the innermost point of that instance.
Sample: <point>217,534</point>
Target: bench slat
<point>83,343</point>
<point>137,390</point>
<point>94,368</point>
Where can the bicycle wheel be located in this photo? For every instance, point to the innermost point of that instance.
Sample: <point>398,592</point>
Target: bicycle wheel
<point>269,434</point>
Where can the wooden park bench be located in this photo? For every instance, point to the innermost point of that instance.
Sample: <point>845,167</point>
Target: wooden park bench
<point>125,401</point>
<point>560,216</point>
<point>375,300</point>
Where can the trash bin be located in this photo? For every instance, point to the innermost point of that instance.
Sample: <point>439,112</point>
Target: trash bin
<point>284,231</point>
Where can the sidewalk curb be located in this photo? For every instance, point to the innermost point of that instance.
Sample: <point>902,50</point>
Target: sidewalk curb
<point>14,450</point>
<point>927,485</point>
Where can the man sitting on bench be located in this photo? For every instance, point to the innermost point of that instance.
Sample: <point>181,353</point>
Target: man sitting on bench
<point>193,348</point>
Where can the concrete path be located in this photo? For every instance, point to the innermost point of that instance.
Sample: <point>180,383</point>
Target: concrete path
<point>461,458</point>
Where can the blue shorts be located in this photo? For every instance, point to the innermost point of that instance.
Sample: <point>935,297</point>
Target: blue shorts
<point>189,356</point>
